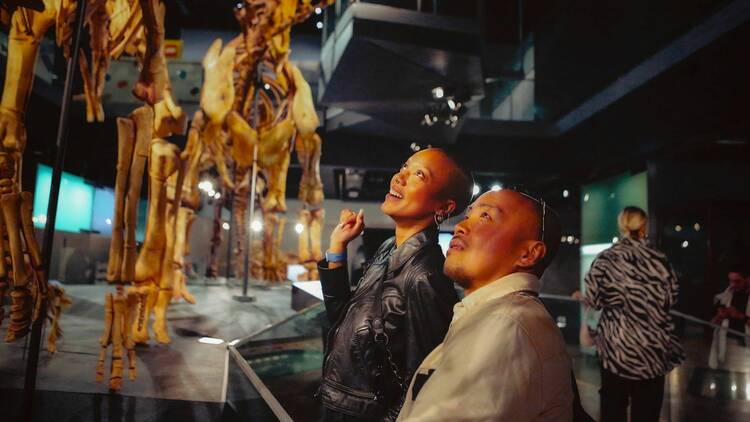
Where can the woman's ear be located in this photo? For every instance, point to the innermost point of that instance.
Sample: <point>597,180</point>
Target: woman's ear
<point>449,208</point>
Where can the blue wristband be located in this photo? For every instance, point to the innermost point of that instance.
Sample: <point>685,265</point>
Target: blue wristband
<point>335,257</point>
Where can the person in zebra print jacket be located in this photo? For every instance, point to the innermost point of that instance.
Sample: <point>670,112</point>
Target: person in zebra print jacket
<point>635,287</point>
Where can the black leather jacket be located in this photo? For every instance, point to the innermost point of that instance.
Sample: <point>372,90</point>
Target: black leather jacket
<point>417,307</point>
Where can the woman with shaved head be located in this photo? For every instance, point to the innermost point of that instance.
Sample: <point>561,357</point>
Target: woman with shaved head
<point>401,308</point>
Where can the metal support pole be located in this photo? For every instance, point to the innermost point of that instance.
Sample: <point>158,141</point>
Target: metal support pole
<point>61,145</point>
<point>256,118</point>
<point>231,230</point>
<point>252,218</point>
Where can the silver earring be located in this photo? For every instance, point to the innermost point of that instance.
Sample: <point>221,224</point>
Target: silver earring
<point>439,218</point>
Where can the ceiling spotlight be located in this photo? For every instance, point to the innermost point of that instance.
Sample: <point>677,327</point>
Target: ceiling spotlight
<point>475,190</point>
<point>697,227</point>
<point>218,195</point>
<point>496,187</point>
<point>427,120</point>
<point>586,198</point>
<point>570,239</point>
<point>256,226</point>
<point>318,10</point>
<point>299,228</point>
<point>685,244</point>
<point>566,193</point>
<point>678,228</point>
<point>451,104</point>
<point>615,239</point>
<point>437,92</point>
<point>225,225</point>
<point>319,25</point>
<point>266,86</point>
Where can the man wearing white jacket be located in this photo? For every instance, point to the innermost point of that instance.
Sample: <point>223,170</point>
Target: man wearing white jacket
<point>503,358</point>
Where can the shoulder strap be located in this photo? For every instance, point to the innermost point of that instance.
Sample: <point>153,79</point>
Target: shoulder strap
<point>384,355</point>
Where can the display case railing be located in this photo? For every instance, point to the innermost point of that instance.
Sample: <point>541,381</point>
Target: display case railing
<point>282,365</point>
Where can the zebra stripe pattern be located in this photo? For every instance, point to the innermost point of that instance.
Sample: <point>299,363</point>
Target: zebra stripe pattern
<point>635,287</point>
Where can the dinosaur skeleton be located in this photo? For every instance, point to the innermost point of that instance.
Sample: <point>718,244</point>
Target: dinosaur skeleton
<point>281,115</point>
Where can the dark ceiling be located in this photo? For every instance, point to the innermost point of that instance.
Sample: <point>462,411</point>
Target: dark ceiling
<point>695,109</point>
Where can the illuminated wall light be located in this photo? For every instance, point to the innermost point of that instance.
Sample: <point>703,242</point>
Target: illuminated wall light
<point>685,244</point>
<point>678,228</point>
<point>594,249</point>
<point>712,386</point>
<point>206,185</point>
<point>225,225</point>
<point>438,92</point>
<point>319,25</point>
<point>566,193</point>
<point>210,340</point>
<point>108,221</point>
<point>475,190</point>
<point>256,226</point>
<point>734,387</point>
<point>496,187</point>
<point>299,228</point>
<point>586,198</point>
<point>562,321</point>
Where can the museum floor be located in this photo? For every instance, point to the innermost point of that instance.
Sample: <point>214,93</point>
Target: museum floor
<point>188,380</point>
<point>184,381</point>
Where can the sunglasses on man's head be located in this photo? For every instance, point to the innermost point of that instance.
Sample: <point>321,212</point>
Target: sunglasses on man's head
<point>538,200</point>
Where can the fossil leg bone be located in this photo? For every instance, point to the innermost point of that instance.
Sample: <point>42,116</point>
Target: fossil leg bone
<point>164,160</point>
<point>185,218</point>
<point>153,79</point>
<point>168,267</point>
<point>22,306</point>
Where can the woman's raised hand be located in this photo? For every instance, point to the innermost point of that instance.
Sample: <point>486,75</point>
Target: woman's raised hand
<point>350,226</point>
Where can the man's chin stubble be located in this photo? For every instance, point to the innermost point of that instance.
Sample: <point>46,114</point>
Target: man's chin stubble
<point>456,274</point>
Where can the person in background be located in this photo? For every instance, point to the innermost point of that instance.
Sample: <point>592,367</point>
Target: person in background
<point>635,287</point>
<point>503,358</point>
<point>732,311</point>
<point>400,309</point>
